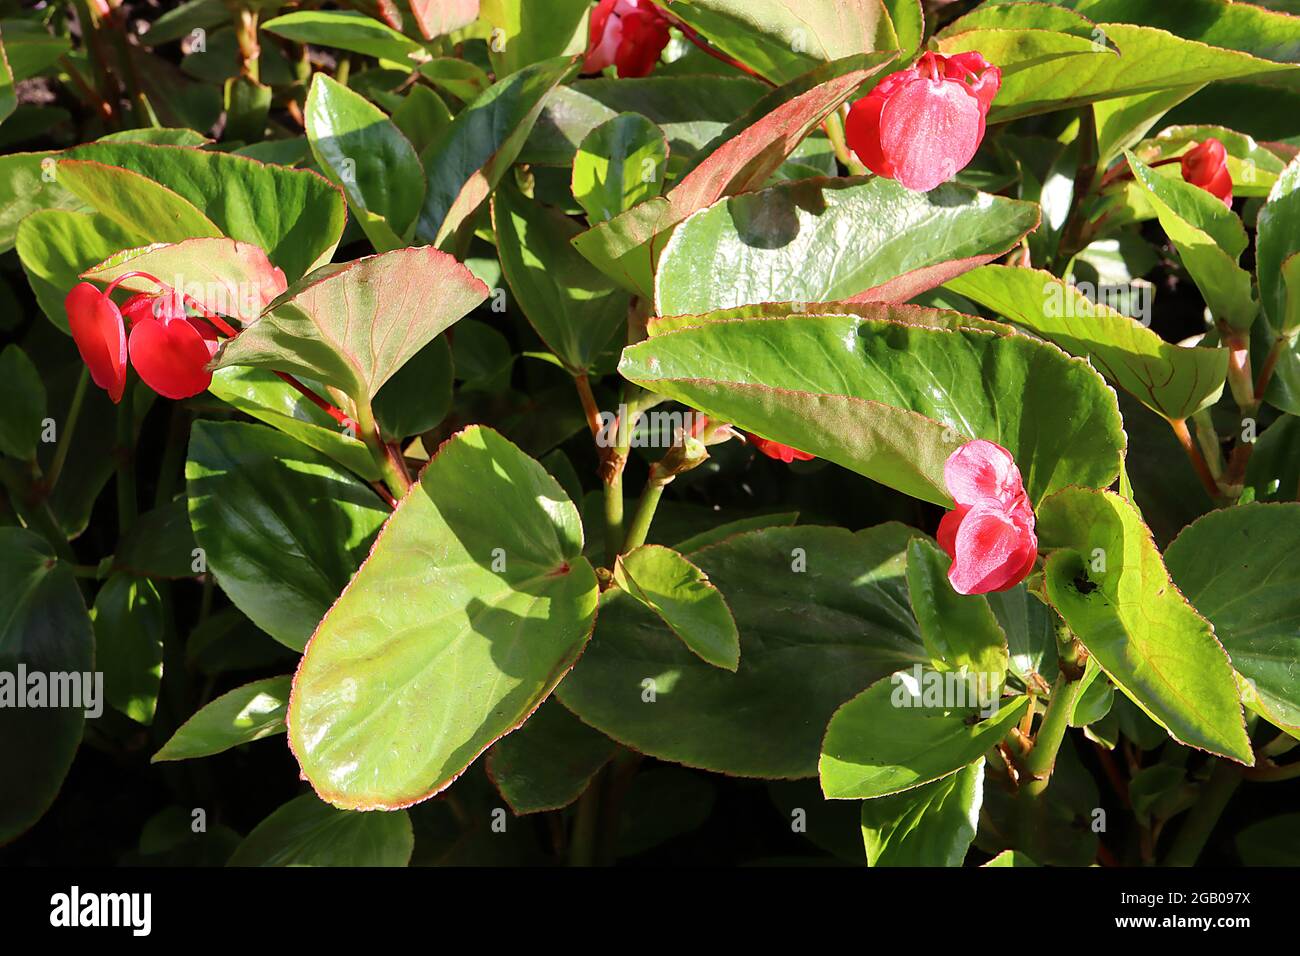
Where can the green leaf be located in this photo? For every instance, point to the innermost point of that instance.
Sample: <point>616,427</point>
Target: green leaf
<point>1107,580</point>
<point>438,17</point>
<point>1271,842</point>
<point>282,527</point>
<point>222,275</point>
<point>295,215</point>
<point>523,33</point>
<point>241,716</point>
<point>1030,627</point>
<point>907,730</point>
<point>682,595</point>
<point>1045,70</point>
<point>932,825</point>
<point>352,325</point>
<point>460,78</point>
<point>466,164</point>
<point>44,629</point>
<point>422,117</point>
<point>129,624</point>
<point>22,404</point>
<point>626,247</point>
<point>8,97</point>
<point>892,400</point>
<point>1122,121</point>
<point>348,30</point>
<point>1277,242</point>
<point>30,48</point>
<point>134,202</point>
<point>418,397</point>
<point>960,631</point>
<point>548,762</point>
<point>1254,168</point>
<point>264,396</point>
<point>723,531</point>
<point>1170,380</point>
<point>620,163</point>
<point>783,38</point>
<point>159,545</point>
<point>456,628</point>
<point>662,803</point>
<point>1209,238</point>
<point>826,240</point>
<point>363,153</point>
<point>821,612</point>
<point>306,832</point>
<point>1237,567</point>
<point>574,308</point>
<point>1010,858</point>
<point>55,246</point>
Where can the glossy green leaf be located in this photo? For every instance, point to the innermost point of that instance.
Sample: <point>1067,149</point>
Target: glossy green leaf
<point>352,325</point>
<point>548,762</point>
<point>1277,241</point>
<point>306,832</point>
<point>620,163</point>
<point>574,308</point>
<point>224,276</point>
<point>160,544</point>
<point>932,825</point>
<point>902,732</point>
<point>263,395</point>
<point>1209,238</point>
<point>461,78</point>
<point>682,595</point>
<point>135,202</point>
<point>626,247</point>
<point>1044,69</point>
<point>22,404</point>
<point>8,96</point>
<point>44,630</point>
<point>347,30</point>
<point>241,716</point>
<point>959,630</point>
<point>1237,567</point>
<point>282,527</point>
<point>1107,580</point>
<point>466,164</point>
<point>422,117</point>
<point>522,33</point>
<point>821,613</point>
<point>783,38</point>
<point>892,400</point>
<point>363,153</point>
<point>418,397</point>
<point>1170,380</point>
<point>1030,627</point>
<point>129,623</point>
<point>826,240</point>
<point>474,602</point>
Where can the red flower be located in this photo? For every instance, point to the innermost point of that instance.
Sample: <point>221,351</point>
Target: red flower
<point>778,451</point>
<point>922,125</point>
<point>169,349</point>
<point>1206,166</point>
<point>629,34</point>
<point>990,535</point>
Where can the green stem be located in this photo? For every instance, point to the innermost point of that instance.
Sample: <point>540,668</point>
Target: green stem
<point>66,433</point>
<point>395,477</point>
<point>645,510</point>
<point>1041,759</point>
<point>127,503</point>
<point>36,514</point>
<point>586,825</point>
<point>613,517</point>
<point>1204,815</point>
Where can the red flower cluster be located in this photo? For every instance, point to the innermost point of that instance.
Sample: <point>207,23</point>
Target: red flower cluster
<point>990,535</point>
<point>170,349</point>
<point>921,126</point>
<point>629,34</point>
<point>1206,166</point>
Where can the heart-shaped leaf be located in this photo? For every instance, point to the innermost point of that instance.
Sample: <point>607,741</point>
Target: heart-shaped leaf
<point>474,602</point>
<point>354,324</point>
<point>1107,580</point>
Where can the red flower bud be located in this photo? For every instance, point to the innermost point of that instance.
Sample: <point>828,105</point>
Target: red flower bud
<point>990,535</point>
<point>778,451</point>
<point>921,126</point>
<point>629,34</point>
<point>96,325</point>
<point>1206,166</point>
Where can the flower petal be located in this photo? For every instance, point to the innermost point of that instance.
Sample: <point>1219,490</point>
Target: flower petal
<point>96,326</point>
<point>993,551</point>
<point>929,131</point>
<point>171,358</point>
<point>980,470</point>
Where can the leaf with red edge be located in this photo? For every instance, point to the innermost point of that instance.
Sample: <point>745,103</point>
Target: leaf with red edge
<point>352,325</point>
<point>437,17</point>
<point>474,603</point>
<point>625,247</point>
<point>225,276</point>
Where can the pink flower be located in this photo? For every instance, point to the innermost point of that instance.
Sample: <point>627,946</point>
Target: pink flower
<point>990,535</point>
<point>921,126</point>
<point>629,34</point>
<point>1206,166</point>
<point>773,449</point>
